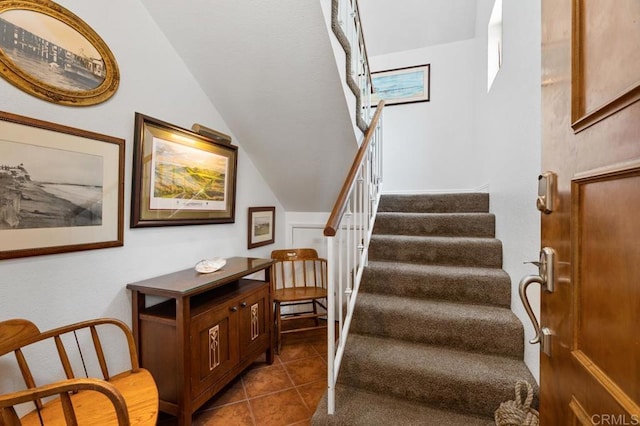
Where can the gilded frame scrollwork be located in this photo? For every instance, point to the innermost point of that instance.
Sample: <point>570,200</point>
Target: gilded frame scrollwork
<point>70,65</point>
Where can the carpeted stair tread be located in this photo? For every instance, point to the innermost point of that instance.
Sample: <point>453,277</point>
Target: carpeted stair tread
<point>435,203</point>
<point>489,286</point>
<point>461,251</point>
<point>476,328</point>
<point>443,378</point>
<point>436,224</point>
<point>355,407</point>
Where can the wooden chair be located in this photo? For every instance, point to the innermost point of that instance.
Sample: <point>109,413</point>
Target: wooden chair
<point>299,277</point>
<point>127,398</point>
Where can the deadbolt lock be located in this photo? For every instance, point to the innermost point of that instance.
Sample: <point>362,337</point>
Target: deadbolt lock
<point>547,192</point>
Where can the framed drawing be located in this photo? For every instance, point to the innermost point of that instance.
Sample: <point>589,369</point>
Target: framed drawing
<point>61,189</point>
<point>401,85</point>
<point>50,53</point>
<point>180,177</point>
<point>262,225</point>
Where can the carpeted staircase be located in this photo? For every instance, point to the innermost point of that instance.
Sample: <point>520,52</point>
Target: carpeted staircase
<point>433,340</point>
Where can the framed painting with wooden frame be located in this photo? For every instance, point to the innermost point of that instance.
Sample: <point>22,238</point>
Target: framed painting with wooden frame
<point>180,177</point>
<point>61,188</point>
<point>402,85</point>
<point>261,226</point>
<point>48,52</point>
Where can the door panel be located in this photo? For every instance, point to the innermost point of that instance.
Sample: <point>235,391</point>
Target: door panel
<point>591,140</point>
<point>607,269</point>
<point>602,53</point>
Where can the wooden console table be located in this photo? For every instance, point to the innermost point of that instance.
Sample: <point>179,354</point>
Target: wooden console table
<point>209,330</point>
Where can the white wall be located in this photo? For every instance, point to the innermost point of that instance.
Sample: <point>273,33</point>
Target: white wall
<point>58,289</point>
<point>509,141</point>
<point>431,145</point>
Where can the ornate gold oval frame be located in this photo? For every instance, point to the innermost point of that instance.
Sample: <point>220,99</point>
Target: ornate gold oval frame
<point>36,86</point>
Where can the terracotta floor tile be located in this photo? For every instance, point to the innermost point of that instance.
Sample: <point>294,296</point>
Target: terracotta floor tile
<point>306,370</point>
<point>279,409</point>
<point>265,380</point>
<point>297,351</point>
<point>238,414</point>
<point>312,393</point>
<point>261,362</point>
<point>233,392</point>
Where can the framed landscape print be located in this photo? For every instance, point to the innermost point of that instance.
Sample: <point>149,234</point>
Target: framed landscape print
<point>61,188</point>
<point>48,52</point>
<point>261,227</point>
<point>180,177</point>
<point>401,85</point>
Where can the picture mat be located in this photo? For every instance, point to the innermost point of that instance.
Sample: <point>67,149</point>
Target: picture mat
<point>19,239</point>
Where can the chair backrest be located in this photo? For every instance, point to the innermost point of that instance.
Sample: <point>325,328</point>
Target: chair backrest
<point>65,398</point>
<point>295,268</point>
<point>17,334</point>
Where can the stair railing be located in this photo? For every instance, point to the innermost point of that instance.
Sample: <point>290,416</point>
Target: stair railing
<point>346,25</point>
<point>348,233</point>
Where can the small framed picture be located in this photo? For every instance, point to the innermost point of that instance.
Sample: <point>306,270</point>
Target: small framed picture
<point>262,225</point>
<point>401,85</point>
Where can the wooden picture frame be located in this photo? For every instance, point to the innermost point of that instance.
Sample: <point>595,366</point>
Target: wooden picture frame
<point>180,177</point>
<point>261,226</point>
<point>61,188</point>
<point>48,52</point>
<point>402,85</point>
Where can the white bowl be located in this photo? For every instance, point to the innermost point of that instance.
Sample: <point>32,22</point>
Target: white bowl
<point>206,266</point>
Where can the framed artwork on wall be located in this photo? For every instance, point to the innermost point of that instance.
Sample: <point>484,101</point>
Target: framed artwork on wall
<point>261,227</point>
<point>48,52</point>
<point>402,85</point>
<point>61,188</point>
<point>180,177</point>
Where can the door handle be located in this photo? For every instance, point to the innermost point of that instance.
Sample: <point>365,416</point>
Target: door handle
<point>547,276</point>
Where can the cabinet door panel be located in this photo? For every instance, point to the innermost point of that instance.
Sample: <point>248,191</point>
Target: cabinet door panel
<point>213,347</point>
<point>254,327</point>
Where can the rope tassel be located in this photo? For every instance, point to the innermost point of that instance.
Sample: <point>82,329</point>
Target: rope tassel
<point>519,411</point>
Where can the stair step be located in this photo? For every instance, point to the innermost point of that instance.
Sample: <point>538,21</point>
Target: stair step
<point>476,328</point>
<point>480,286</point>
<point>443,378</point>
<point>355,407</point>
<point>435,203</point>
<point>436,224</point>
<point>462,251</point>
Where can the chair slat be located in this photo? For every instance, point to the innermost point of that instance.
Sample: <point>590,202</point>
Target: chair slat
<point>99,352</point>
<point>67,408</point>
<point>26,374</point>
<point>8,417</point>
<point>64,358</point>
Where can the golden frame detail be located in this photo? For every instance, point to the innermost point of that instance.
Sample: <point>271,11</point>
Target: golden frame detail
<point>88,75</point>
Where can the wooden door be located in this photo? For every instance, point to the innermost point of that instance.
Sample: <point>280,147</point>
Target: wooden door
<point>591,140</point>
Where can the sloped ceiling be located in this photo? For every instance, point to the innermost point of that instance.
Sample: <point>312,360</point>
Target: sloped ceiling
<point>268,67</point>
<point>394,26</point>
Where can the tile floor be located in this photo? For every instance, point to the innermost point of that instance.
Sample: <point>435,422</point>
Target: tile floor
<point>285,393</point>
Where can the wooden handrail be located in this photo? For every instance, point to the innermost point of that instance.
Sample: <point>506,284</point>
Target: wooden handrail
<point>331,227</point>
